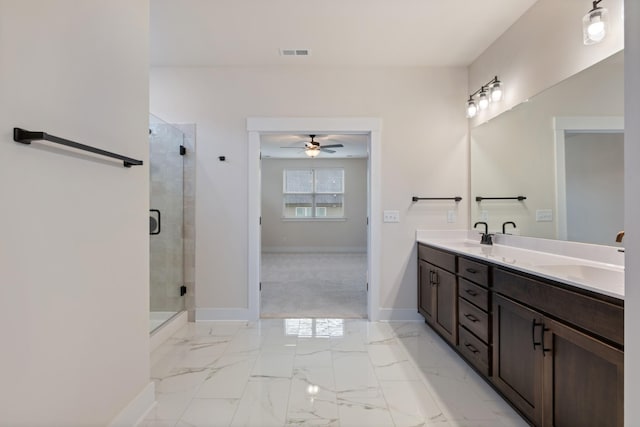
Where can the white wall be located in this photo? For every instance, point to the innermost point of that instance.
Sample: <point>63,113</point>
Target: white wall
<point>632,212</point>
<point>541,49</point>
<point>424,153</point>
<point>346,235</point>
<point>74,242</point>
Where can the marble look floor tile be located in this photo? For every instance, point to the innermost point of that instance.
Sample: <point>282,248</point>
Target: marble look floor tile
<point>353,371</point>
<point>273,364</point>
<point>227,378</point>
<point>210,412</point>
<point>311,403</point>
<point>320,372</point>
<point>364,407</point>
<point>264,403</point>
<point>411,404</point>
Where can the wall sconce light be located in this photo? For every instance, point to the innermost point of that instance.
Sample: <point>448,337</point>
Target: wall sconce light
<point>595,24</point>
<point>480,99</point>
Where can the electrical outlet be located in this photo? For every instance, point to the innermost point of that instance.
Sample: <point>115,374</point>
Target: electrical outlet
<point>544,215</point>
<point>391,216</point>
<point>452,216</point>
<point>484,216</point>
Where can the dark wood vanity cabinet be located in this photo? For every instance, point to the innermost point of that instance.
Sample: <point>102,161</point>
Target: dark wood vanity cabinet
<point>553,350</point>
<point>438,290</point>
<point>555,372</point>
<point>474,316</point>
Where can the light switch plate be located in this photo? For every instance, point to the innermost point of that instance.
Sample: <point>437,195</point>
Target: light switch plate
<point>544,215</point>
<point>452,216</point>
<point>391,216</point>
<point>484,216</point>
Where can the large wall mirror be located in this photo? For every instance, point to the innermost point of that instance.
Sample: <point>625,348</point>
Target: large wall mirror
<point>563,151</point>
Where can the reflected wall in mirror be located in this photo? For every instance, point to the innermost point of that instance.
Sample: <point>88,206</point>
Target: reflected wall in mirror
<point>562,150</point>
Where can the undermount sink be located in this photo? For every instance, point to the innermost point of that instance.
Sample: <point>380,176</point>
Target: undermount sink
<point>584,272</point>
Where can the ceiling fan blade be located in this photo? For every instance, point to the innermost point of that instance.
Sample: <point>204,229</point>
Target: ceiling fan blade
<point>327,151</point>
<point>333,146</point>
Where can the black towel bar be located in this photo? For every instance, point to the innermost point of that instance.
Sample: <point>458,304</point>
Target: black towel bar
<point>415,199</point>
<point>520,198</point>
<point>25,137</point>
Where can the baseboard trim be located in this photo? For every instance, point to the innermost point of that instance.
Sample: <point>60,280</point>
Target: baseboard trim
<point>399,315</point>
<point>314,249</point>
<point>208,314</point>
<point>172,326</point>
<point>137,409</point>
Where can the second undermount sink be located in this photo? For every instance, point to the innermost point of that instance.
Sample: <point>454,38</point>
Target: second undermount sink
<point>584,272</point>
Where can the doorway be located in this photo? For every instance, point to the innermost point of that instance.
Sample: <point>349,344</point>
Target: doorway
<point>370,127</point>
<point>314,226</point>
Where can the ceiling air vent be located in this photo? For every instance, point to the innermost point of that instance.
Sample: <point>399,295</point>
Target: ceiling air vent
<point>294,52</point>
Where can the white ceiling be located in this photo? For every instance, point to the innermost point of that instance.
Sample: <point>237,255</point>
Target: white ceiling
<point>337,32</point>
<point>280,146</point>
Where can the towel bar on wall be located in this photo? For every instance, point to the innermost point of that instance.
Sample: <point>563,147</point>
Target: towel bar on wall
<point>519,198</point>
<point>25,137</point>
<point>415,199</point>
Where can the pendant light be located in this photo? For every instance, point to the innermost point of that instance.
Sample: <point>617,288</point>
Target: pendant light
<point>595,24</point>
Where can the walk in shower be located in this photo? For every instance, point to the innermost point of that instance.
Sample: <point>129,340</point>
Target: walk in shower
<point>166,221</point>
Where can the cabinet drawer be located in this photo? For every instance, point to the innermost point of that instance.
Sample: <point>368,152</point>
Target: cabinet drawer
<point>473,293</point>
<point>474,271</point>
<point>438,258</point>
<point>474,319</point>
<point>474,350</point>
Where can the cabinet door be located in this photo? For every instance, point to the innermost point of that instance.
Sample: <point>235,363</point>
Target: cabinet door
<point>446,313</point>
<point>583,379</point>
<point>517,356</point>
<point>426,291</point>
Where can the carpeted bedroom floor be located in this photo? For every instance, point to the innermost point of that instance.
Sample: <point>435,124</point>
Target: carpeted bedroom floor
<point>314,285</point>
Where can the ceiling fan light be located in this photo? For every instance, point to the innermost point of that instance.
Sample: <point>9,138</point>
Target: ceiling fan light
<point>312,152</point>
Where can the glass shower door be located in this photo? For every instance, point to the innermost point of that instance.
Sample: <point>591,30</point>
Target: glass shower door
<point>165,222</point>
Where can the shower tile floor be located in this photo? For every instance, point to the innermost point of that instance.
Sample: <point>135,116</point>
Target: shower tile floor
<point>314,285</point>
<point>319,372</point>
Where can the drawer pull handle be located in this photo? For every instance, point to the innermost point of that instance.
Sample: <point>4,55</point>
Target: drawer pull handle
<point>471,292</point>
<point>472,348</point>
<point>471,317</point>
<point>471,270</point>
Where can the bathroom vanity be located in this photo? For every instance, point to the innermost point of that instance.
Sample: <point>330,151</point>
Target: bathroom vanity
<point>545,329</point>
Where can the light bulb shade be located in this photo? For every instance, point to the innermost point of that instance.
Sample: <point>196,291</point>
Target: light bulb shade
<point>496,91</point>
<point>471,109</point>
<point>483,100</point>
<point>312,152</point>
<point>595,25</point>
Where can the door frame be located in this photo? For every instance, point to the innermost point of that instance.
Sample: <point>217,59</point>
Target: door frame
<point>306,125</point>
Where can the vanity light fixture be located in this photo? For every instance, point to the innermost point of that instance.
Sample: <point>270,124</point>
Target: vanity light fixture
<point>480,99</point>
<point>595,24</point>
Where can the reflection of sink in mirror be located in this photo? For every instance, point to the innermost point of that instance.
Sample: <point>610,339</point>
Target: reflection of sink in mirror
<point>584,272</point>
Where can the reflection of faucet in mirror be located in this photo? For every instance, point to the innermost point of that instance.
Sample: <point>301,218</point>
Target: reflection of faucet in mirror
<point>507,223</point>
<point>486,237</point>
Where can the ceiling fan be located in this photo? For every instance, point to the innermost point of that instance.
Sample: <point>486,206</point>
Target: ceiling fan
<point>313,148</point>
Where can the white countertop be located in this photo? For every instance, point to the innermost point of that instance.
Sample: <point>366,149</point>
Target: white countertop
<point>601,277</point>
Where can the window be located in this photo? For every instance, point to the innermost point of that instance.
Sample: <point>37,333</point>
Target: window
<point>313,193</point>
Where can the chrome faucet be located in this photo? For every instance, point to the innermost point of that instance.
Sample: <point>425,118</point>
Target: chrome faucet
<point>507,223</point>
<point>486,237</point>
